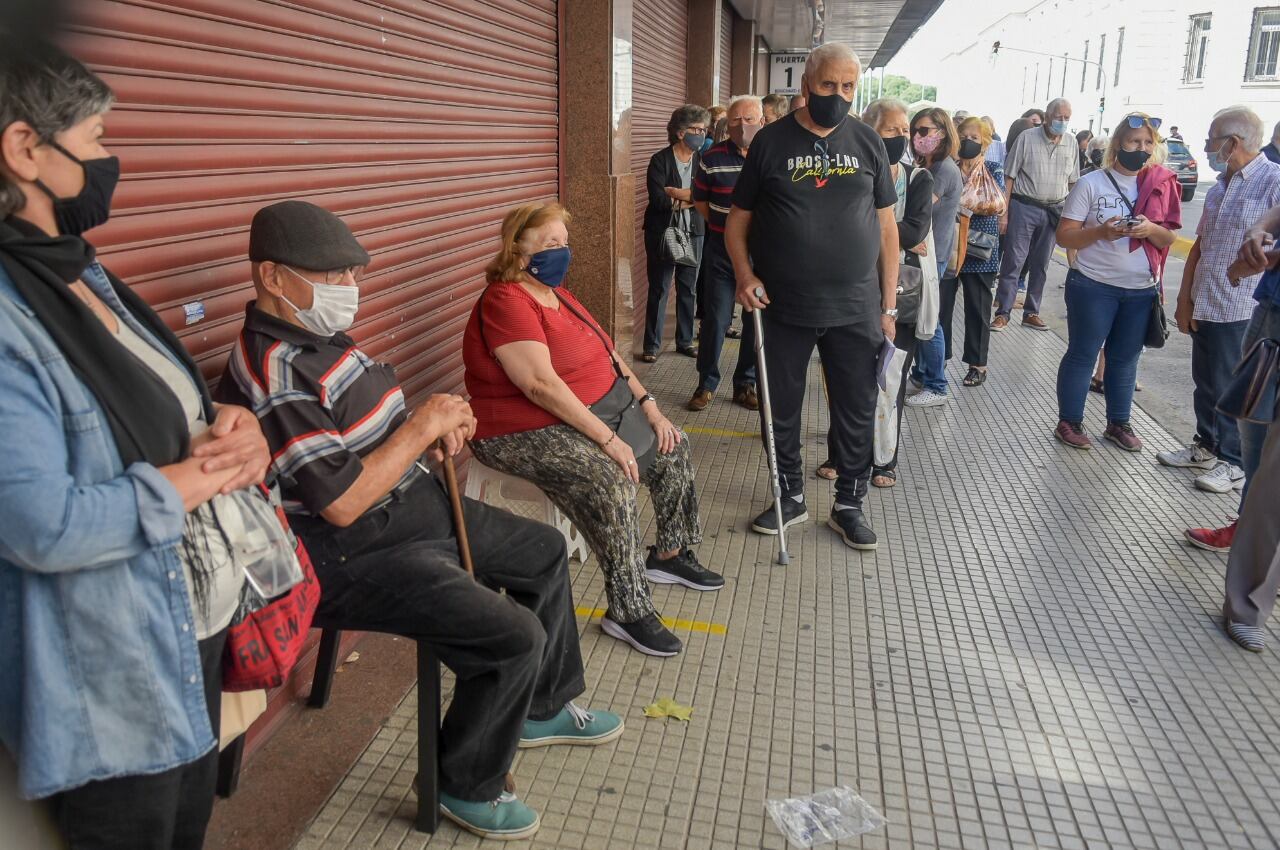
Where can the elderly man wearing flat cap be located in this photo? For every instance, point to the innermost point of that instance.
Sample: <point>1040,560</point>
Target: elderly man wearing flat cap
<point>378,527</point>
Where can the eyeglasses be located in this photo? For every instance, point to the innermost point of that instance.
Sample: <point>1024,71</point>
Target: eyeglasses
<point>820,148</point>
<point>1136,121</point>
<point>923,131</point>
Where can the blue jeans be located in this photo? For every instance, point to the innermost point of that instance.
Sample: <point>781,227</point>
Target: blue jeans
<point>717,313</point>
<point>1098,314</point>
<point>1215,351</point>
<point>1264,324</point>
<point>929,369</point>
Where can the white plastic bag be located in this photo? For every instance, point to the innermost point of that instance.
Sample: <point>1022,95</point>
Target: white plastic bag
<point>930,295</point>
<point>886,433</point>
<point>826,816</point>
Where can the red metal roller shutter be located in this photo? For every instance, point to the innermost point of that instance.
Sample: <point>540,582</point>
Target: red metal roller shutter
<point>661,33</point>
<point>420,123</point>
<point>726,52</point>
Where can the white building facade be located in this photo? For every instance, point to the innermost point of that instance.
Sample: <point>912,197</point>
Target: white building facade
<point>1181,60</point>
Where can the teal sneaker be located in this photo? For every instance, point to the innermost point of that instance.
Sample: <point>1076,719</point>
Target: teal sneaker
<point>572,725</point>
<point>503,819</point>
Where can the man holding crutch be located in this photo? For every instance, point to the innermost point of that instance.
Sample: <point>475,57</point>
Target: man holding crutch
<point>378,526</point>
<point>814,209</point>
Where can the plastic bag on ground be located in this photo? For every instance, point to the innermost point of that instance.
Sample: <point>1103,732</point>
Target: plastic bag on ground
<point>825,816</point>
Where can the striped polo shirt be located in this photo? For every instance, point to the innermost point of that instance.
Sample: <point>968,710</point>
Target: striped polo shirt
<point>714,180</point>
<point>322,403</point>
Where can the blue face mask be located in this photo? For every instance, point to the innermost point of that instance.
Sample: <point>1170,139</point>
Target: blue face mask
<point>550,266</point>
<point>694,140</point>
<point>1058,128</point>
<point>1216,162</point>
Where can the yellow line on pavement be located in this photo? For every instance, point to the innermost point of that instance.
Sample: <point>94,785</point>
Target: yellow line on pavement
<point>686,625</point>
<point>720,432</point>
<point>1182,247</point>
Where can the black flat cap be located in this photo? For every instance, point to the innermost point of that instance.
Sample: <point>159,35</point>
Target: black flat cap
<point>304,235</point>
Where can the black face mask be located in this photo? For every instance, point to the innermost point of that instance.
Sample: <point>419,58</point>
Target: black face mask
<point>1096,158</point>
<point>1132,160</point>
<point>92,206</point>
<point>969,149</point>
<point>827,110</point>
<point>895,147</point>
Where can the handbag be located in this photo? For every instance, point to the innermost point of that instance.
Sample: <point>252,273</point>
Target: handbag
<point>619,409</point>
<point>980,246</point>
<point>677,243</point>
<point>266,635</point>
<point>960,253</point>
<point>1253,391</point>
<point>981,194</point>
<point>910,291</point>
<point>1157,333</point>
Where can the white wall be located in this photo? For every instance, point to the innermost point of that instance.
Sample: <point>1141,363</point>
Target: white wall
<point>1151,68</point>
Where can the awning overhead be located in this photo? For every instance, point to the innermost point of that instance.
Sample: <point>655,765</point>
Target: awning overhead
<point>875,29</point>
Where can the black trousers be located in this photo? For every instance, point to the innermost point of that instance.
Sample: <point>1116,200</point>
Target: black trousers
<point>661,273</point>
<point>904,339</point>
<point>515,655</point>
<point>160,811</point>
<point>848,355</point>
<point>977,313</point>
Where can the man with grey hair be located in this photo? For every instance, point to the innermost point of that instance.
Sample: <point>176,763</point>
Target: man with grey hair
<point>1219,313</point>
<point>713,183</point>
<point>1042,166</point>
<point>812,230</point>
<point>774,106</point>
<point>1272,149</point>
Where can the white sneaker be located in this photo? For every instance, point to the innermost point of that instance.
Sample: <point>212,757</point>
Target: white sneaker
<point>1192,457</point>
<point>927,398</point>
<point>1223,478</point>
<point>913,388</point>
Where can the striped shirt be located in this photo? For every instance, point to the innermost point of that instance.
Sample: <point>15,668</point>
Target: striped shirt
<point>1229,210</point>
<point>714,180</point>
<point>1041,168</point>
<point>322,403</point>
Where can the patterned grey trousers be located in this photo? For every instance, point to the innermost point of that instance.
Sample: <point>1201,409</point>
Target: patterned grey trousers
<point>593,493</point>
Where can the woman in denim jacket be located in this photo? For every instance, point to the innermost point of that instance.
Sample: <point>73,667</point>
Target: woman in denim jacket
<point>116,586</point>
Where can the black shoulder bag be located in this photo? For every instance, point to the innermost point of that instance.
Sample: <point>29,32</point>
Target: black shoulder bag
<point>618,409</point>
<point>1157,322</point>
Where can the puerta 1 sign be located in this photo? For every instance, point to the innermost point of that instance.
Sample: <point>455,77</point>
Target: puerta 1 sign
<point>785,70</point>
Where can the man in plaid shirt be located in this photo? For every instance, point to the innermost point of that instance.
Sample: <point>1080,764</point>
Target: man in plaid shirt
<point>1216,311</point>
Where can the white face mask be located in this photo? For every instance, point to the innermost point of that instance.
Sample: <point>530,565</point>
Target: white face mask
<point>333,307</point>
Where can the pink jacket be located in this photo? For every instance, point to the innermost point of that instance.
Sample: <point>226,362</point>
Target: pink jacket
<point>1160,200</point>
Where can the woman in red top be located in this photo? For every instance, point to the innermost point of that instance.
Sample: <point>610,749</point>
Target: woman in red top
<point>536,363</point>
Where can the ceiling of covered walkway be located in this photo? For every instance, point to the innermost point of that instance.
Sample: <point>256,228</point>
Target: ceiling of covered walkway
<point>875,29</point>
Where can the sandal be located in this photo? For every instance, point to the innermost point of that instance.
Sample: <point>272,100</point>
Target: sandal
<point>885,479</point>
<point>1096,386</point>
<point>828,471</point>
<point>976,377</point>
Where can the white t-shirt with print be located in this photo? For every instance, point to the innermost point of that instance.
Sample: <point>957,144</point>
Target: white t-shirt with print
<point>1094,200</point>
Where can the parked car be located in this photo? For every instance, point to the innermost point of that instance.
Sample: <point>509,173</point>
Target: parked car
<point>1182,163</point>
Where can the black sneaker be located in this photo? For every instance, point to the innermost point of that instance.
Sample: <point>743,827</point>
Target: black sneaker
<point>681,569</point>
<point>853,528</point>
<point>646,635</point>
<point>792,513</point>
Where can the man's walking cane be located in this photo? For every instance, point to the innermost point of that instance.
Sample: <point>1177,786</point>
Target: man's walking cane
<point>460,532</point>
<point>771,448</point>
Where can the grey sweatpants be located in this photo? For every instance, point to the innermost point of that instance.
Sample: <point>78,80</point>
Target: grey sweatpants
<point>1253,572</point>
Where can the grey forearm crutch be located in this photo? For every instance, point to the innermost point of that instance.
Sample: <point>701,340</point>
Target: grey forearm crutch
<point>770,447</point>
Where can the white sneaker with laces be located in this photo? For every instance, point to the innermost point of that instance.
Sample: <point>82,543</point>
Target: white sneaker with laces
<point>1223,478</point>
<point>1191,457</point>
<point>927,398</point>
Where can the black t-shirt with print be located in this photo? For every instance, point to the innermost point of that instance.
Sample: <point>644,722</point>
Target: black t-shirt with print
<point>814,241</point>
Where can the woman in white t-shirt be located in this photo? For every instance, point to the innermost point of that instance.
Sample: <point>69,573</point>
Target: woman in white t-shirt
<point>1119,221</point>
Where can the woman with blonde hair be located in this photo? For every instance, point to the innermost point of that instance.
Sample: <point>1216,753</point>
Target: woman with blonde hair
<point>557,406</point>
<point>1120,220</point>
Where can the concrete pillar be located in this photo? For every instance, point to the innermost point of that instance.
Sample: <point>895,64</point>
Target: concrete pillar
<point>595,156</point>
<point>744,60</point>
<point>704,51</point>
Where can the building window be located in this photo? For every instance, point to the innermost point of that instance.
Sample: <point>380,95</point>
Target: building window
<point>1119,53</point>
<point>1264,46</point>
<point>1197,48</point>
<point>1084,65</point>
<point>1102,59</point>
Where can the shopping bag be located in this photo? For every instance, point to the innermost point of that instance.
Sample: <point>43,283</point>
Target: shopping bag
<point>886,433</point>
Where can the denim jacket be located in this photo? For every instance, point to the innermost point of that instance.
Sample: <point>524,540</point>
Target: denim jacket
<point>99,670</point>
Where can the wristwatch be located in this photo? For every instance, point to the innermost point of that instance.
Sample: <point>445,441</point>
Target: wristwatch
<point>646,397</point>
<point>892,312</point>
